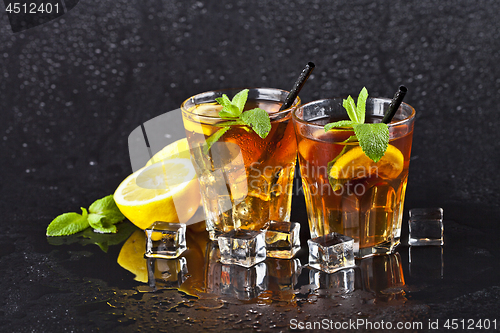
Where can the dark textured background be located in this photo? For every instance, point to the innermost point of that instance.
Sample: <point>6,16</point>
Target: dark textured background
<point>73,89</point>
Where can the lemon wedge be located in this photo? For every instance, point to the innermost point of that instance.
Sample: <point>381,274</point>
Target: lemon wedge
<point>168,191</point>
<point>355,164</point>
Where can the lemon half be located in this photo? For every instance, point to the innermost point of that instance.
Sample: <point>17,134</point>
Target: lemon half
<point>168,191</point>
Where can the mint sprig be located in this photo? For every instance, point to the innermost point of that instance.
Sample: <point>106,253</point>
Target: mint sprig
<point>373,138</point>
<point>256,119</point>
<point>102,216</point>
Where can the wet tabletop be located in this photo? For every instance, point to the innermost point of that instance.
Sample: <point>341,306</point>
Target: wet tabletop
<point>73,89</point>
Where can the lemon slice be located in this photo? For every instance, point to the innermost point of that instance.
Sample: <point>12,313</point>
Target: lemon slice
<point>177,149</point>
<point>355,164</point>
<point>167,191</point>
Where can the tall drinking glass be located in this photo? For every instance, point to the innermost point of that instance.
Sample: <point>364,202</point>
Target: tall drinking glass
<point>246,181</point>
<point>345,191</point>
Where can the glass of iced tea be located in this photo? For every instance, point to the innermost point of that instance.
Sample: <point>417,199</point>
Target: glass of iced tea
<point>345,191</point>
<point>246,181</point>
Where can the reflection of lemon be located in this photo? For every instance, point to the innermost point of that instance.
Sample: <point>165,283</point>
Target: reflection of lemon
<point>177,149</point>
<point>148,195</point>
<point>131,256</point>
<point>355,164</point>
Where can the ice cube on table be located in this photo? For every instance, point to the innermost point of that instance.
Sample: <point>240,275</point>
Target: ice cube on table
<point>242,247</point>
<point>282,239</point>
<point>331,252</point>
<point>426,226</point>
<point>165,240</point>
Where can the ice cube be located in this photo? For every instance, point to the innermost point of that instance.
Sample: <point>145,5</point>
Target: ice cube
<point>331,252</point>
<point>165,240</point>
<point>282,239</point>
<point>242,247</point>
<point>426,226</point>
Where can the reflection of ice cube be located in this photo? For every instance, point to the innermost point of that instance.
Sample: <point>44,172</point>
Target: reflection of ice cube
<point>282,239</point>
<point>382,275</point>
<point>426,226</point>
<point>166,273</point>
<point>242,247</point>
<point>243,283</point>
<point>341,281</point>
<point>283,274</point>
<point>331,252</point>
<point>426,262</point>
<point>233,280</point>
<point>165,240</point>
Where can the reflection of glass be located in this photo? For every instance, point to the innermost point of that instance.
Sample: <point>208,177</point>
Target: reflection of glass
<point>283,274</point>
<point>359,198</point>
<point>167,273</point>
<point>426,262</point>
<point>240,196</point>
<point>332,284</point>
<point>382,275</point>
<point>233,280</point>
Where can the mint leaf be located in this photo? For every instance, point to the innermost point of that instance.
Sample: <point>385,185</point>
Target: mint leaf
<point>240,99</point>
<point>341,123</point>
<point>68,224</point>
<point>106,207</point>
<point>229,110</point>
<point>101,224</point>
<point>361,105</point>
<point>350,107</point>
<point>373,139</point>
<point>88,236</point>
<point>214,138</point>
<point>258,119</point>
<point>224,100</point>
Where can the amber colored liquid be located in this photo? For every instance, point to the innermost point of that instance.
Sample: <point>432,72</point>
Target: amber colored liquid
<point>262,190</point>
<point>369,208</point>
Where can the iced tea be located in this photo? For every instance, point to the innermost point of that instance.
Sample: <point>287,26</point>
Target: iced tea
<point>246,181</point>
<point>345,191</point>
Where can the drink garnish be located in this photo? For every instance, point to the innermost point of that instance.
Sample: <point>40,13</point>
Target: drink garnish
<point>373,138</point>
<point>102,216</point>
<point>256,119</point>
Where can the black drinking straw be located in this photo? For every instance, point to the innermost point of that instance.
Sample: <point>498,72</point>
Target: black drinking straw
<point>395,103</point>
<point>306,72</point>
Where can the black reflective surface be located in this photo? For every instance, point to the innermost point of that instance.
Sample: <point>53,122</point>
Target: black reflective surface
<point>72,90</point>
